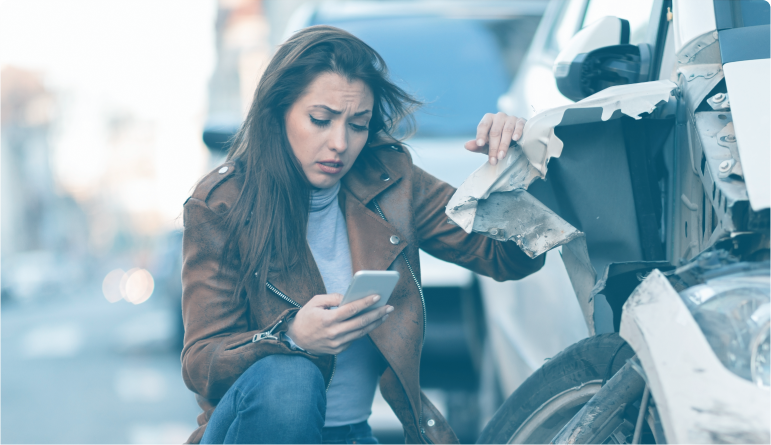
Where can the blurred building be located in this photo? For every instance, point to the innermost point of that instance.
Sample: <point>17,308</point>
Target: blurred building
<point>33,215</point>
<point>41,226</point>
<point>243,52</point>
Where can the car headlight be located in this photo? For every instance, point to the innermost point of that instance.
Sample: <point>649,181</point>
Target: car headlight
<point>733,313</point>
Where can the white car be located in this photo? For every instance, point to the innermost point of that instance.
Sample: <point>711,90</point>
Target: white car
<point>656,190</point>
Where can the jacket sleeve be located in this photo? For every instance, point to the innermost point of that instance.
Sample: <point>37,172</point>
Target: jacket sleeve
<point>500,260</point>
<point>218,345</point>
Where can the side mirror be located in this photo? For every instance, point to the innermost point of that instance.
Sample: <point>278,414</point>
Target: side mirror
<point>600,56</point>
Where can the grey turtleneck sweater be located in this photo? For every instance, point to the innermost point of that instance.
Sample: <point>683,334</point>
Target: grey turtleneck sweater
<point>350,395</point>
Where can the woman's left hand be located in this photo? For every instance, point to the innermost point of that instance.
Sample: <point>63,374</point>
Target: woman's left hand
<point>494,134</point>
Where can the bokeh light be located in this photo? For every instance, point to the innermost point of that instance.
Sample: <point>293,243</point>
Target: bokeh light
<point>111,285</point>
<point>134,286</point>
<point>139,286</point>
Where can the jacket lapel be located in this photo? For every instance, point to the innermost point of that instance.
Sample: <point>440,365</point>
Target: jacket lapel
<point>369,176</point>
<point>369,238</point>
<point>369,235</point>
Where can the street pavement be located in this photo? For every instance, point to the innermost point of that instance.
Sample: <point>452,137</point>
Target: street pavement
<point>79,369</point>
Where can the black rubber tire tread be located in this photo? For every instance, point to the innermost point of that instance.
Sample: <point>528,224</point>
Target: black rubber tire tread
<point>579,363</point>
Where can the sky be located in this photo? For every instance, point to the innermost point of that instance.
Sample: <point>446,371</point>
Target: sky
<point>130,80</point>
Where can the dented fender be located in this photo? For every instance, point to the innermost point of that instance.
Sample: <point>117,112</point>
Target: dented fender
<point>493,200</point>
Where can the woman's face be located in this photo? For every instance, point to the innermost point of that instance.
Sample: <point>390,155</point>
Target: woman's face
<point>328,126</point>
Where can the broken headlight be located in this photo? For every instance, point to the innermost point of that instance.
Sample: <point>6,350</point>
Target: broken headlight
<point>733,313</point>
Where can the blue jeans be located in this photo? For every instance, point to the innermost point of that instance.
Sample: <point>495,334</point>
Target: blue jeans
<point>279,399</point>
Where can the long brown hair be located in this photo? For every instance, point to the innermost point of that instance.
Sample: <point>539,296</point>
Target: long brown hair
<point>271,213</point>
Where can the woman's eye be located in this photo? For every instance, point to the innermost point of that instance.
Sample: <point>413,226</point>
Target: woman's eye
<point>319,122</point>
<point>359,128</point>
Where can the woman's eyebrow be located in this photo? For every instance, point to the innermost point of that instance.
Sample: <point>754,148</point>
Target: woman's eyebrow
<point>360,113</point>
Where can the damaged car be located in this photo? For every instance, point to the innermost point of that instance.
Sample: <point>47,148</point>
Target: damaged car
<point>654,188</point>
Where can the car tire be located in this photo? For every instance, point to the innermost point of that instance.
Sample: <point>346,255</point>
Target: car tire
<point>553,394</point>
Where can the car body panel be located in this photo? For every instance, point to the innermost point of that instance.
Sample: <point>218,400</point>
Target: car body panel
<point>748,87</point>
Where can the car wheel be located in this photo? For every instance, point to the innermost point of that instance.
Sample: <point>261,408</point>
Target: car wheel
<point>553,394</point>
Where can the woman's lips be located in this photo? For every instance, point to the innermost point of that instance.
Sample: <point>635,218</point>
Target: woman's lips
<point>330,167</point>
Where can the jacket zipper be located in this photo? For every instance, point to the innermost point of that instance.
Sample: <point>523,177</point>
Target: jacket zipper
<point>281,294</point>
<point>273,289</point>
<point>422,301</point>
<point>412,272</point>
<point>268,334</point>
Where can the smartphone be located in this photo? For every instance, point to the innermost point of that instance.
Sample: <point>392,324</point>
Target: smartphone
<point>371,282</point>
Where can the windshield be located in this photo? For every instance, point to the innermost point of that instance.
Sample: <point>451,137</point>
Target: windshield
<point>457,67</point>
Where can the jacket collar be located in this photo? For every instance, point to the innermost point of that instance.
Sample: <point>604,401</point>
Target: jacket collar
<point>374,171</point>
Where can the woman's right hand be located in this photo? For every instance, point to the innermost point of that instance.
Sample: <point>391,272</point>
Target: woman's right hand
<point>319,330</point>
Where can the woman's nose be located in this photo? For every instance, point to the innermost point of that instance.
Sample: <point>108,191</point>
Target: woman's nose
<point>338,138</point>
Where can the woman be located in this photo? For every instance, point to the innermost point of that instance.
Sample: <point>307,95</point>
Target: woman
<point>315,189</point>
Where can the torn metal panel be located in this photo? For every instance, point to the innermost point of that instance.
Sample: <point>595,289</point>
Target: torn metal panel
<point>520,217</point>
<point>732,411</point>
<point>522,166</point>
<point>511,173</point>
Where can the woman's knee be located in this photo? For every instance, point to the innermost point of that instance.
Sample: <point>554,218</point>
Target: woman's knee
<point>284,379</point>
<point>284,395</point>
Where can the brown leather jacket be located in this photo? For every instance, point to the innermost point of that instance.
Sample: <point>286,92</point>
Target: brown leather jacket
<point>221,329</point>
